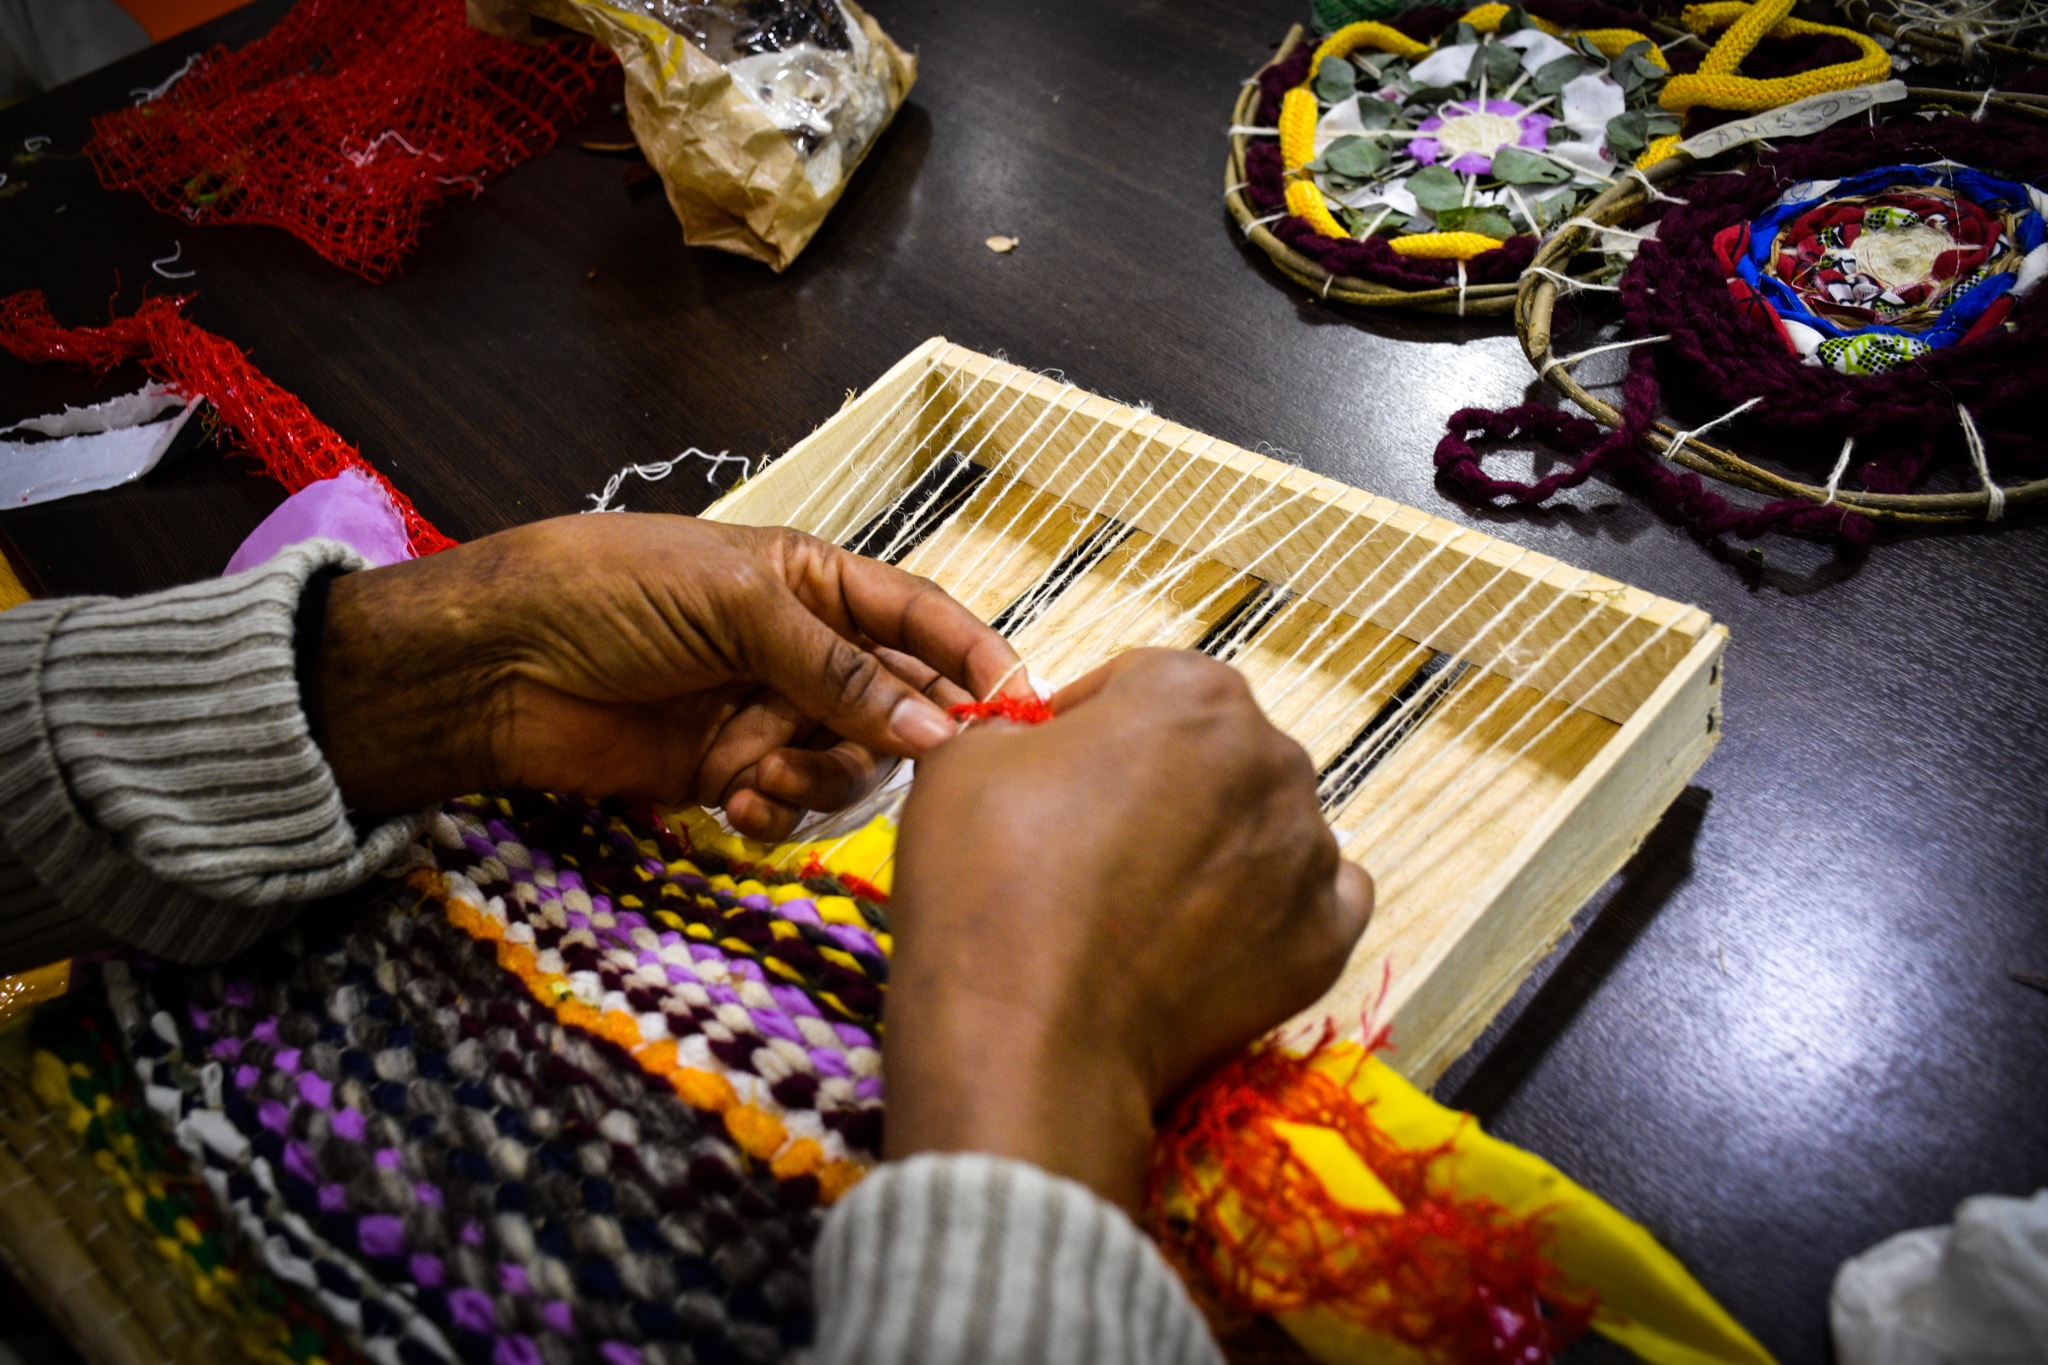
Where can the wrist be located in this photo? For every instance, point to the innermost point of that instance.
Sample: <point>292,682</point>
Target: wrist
<point>399,696</point>
<point>972,1071</point>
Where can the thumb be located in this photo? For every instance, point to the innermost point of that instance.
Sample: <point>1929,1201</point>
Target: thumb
<point>843,687</point>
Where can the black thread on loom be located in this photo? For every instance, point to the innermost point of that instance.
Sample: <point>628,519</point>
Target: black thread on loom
<point>1370,747</point>
<point>1091,551</point>
<point>918,511</point>
<point>1245,620</point>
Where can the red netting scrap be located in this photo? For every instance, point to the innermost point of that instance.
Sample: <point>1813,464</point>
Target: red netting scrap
<point>294,447</point>
<point>344,124</point>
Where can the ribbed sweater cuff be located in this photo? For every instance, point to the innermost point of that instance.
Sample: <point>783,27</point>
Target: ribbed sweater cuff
<point>971,1258</point>
<point>157,774</point>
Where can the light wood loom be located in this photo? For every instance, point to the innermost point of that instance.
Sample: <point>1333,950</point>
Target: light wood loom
<point>1496,730</point>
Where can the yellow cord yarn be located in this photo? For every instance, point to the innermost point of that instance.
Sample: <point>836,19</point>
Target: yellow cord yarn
<point>1304,200</point>
<point>1443,246</point>
<point>1716,85</point>
<point>1297,128</point>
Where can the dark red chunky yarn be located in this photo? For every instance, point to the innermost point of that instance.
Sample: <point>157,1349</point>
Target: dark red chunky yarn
<point>1902,419</point>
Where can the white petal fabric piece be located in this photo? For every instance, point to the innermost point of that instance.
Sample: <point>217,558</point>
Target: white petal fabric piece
<point>146,404</point>
<point>1805,339</point>
<point>1588,101</point>
<point>1538,48</point>
<point>44,471</point>
<point>1341,121</point>
<point>1590,157</point>
<point>1445,66</point>
<point>1371,198</point>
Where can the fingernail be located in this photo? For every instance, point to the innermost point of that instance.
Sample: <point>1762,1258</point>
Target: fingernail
<point>920,724</point>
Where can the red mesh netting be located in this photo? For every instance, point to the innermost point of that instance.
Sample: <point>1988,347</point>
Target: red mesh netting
<point>295,447</point>
<point>344,123</point>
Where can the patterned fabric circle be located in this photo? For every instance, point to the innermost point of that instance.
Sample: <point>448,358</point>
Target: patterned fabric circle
<point>1863,274</point>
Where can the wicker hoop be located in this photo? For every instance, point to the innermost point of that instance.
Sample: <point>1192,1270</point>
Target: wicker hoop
<point>1475,300</point>
<point>1537,299</point>
<point>1933,46</point>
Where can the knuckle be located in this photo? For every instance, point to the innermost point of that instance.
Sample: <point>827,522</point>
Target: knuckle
<point>851,673</point>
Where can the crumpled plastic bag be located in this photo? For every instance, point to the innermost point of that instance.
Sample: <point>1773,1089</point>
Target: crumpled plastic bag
<point>754,112</point>
<point>1974,1293</point>
<point>99,446</point>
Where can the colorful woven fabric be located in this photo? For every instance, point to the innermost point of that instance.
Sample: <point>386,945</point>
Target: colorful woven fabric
<point>344,124</point>
<point>294,447</point>
<point>1886,266</point>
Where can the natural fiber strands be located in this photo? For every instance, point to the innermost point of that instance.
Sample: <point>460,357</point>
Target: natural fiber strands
<point>1901,420</point>
<point>344,124</point>
<point>293,446</point>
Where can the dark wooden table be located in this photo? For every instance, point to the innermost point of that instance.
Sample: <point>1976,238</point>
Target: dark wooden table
<point>1786,1031</point>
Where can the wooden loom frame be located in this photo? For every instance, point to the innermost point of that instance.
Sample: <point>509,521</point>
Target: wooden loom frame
<point>1456,934</point>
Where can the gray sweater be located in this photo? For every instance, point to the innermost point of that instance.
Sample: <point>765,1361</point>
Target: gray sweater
<point>160,786</point>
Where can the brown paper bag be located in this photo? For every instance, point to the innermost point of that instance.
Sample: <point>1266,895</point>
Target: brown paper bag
<point>737,179</point>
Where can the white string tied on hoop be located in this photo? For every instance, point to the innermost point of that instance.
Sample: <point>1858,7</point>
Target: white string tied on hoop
<point>1569,283</point>
<point>1841,468</point>
<point>1680,439</point>
<point>1984,105</point>
<point>1656,195</point>
<point>1461,289</point>
<point>1994,496</point>
<point>1247,130</point>
<point>1582,221</point>
<point>1576,356</point>
<point>1261,222</point>
<point>653,473</point>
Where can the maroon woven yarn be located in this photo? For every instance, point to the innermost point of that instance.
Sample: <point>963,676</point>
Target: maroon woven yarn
<point>1902,420</point>
<point>344,124</point>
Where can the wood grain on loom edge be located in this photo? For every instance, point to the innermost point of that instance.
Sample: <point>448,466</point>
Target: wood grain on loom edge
<point>1496,880</point>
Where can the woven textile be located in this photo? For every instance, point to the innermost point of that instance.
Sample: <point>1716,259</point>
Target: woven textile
<point>344,125</point>
<point>428,1121</point>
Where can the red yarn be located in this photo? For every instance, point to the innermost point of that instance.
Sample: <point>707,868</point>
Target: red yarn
<point>294,447</point>
<point>1032,712</point>
<point>1461,1280</point>
<point>343,124</point>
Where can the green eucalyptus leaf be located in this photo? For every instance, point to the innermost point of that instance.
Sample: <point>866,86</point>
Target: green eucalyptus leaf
<point>1515,20</point>
<point>1590,48</point>
<point>1394,72</point>
<point>1352,219</point>
<point>1336,81</point>
<point>1461,32</point>
<point>1437,187</point>
<point>1628,134</point>
<point>1485,220</point>
<point>1661,124</point>
<point>1503,64</point>
<point>1357,158</point>
<point>1518,167</point>
<point>1375,113</point>
<point>1553,207</point>
<point>1554,76</point>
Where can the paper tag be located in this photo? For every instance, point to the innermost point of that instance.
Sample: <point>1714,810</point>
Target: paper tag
<point>1798,119</point>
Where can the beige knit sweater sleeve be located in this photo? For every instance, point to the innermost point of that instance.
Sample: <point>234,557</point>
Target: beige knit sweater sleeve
<point>159,785</point>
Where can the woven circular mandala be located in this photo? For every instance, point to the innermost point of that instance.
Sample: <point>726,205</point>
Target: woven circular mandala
<point>1924,350</point>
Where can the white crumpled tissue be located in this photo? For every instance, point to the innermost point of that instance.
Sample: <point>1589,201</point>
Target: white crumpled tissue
<point>1973,1293</point>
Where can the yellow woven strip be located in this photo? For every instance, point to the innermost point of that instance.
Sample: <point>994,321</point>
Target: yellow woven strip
<point>1742,37</point>
<point>1297,128</point>
<point>1444,246</point>
<point>1365,33</point>
<point>1304,200</point>
<point>1486,18</point>
<point>1612,42</point>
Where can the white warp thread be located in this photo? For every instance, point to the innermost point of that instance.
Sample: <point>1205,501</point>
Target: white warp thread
<point>602,502</point>
<point>1841,468</point>
<point>1994,496</point>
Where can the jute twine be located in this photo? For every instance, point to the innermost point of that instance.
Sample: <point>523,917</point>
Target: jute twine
<point>1937,47</point>
<point>1536,300</point>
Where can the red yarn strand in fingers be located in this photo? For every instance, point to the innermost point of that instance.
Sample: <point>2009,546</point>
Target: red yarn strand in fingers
<point>293,446</point>
<point>1032,712</point>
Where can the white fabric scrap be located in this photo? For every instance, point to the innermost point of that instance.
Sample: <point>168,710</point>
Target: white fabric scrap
<point>1538,48</point>
<point>1587,102</point>
<point>96,447</point>
<point>1974,1293</point>
<point>1445,66</point>
<point>2033,266</point>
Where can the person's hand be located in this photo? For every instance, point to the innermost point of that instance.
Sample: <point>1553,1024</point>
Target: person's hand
<point>652,656</point>
<point>1090,912</point>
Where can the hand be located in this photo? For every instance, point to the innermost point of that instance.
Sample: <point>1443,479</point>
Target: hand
<point>1090,912</point>
<point>652,656</point>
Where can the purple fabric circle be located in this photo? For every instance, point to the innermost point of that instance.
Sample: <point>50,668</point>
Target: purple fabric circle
<point>349,1123</point>
<point>380,1234</point>
<point>472,1309</point>
<point>427,1271</point>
